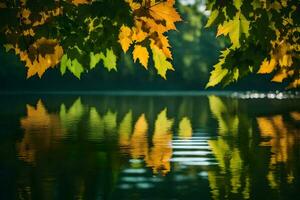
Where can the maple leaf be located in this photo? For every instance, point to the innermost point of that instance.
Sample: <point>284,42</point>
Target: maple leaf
<point>218,73</point>
<point>94,60</point>
<point>165,11</point>
<point>125,38</point>
<point>213,16</point>
<point>280,76</point>
<point>151,21</point>
<point>109,60</point>
<point>235,28</point>
<point>267,66</point>
<point>160,61</point>
<point>142,54</point>
<point>72,65</point>
<point>43,54</point>
<point>138,33</point>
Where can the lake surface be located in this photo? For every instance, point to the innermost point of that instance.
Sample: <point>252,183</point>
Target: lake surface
<point>147,146</point>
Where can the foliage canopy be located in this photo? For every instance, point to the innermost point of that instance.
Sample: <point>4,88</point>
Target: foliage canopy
<point>79,34</point>
<point>264,37</point>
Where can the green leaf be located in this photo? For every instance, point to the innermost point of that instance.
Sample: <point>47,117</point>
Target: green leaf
<point>76,68</point>
<point>216,76</point>
<point>64,63</point>
<point>160,61</point>
<point>213,16</point>
<point>235,28</point>
<point>236,73</point>
<point>94,59</point>
<point>109,60</point>
<point>8,47</point>
<point>73,66</point>
<point>237,4</point>
<point>219,72</point>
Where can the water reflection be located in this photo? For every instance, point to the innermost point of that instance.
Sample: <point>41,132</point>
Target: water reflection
<point>104,147</point>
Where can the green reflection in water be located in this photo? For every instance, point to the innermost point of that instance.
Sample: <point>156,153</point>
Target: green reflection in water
<point>113,147</point>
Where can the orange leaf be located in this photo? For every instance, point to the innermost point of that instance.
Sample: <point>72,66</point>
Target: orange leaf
<point>142,54</point>
<point>267,66</point>
<point>125,38</point>
<point>165,11</point>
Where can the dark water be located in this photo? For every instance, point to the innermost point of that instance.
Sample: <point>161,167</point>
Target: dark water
<point>148,147</point>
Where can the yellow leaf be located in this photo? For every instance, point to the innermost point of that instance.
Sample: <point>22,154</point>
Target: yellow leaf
<point>267,66</point>
<point>133,5</point>
<point>294,84</point>
<point>125,38</point>
<point>78,2</point>
<point>142,54</point>
<point>160,61</point>
<point>152,19</point>
<point>219,72</point>
<point>165,11</point>
<point>280,76</point>
<point>286,60</point>
<point>154,26</point>
<point>138,34</point>
<point>235,28</point>
<point>41,62</point>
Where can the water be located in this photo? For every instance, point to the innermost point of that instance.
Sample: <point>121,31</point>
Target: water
<point>132,146</point>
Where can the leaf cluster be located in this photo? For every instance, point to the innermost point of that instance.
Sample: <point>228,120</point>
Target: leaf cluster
<point>79,34</point>
<point>264,38</point>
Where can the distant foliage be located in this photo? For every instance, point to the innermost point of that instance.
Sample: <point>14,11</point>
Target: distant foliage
<point>264,37</point>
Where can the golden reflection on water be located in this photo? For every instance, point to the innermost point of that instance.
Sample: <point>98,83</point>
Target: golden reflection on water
<point>282,140</point>
<point>40,129</point>
<point>137,139</point>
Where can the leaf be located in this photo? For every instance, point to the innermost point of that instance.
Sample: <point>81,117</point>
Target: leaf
<point>125,38</point>
<point>138,33</point>
<point>294,84</point>
<point>165,11</point>
<point>79,2</point>
<point>63,64</point>
<point>8,47</point>
<point>142,54</point>
<point>235,28</point>
<point>280,76</point>
<point>42,54</point>
<point>72,65</point>
<point>109,60</point>
<point>267,66</point>
<point>213,16</point>
<point>94,59</point>
<point>236,73</point>
<point>237,4</point>
<point>217,75</point>
<point>152,19</point>
<point>160,61</point>
<point>76,68</point>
